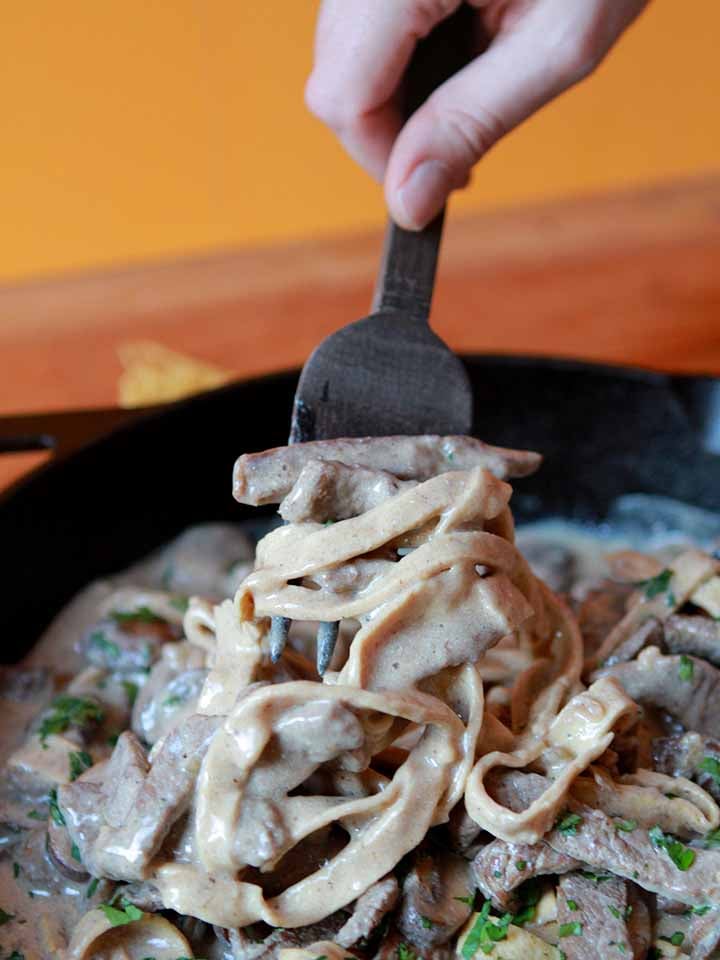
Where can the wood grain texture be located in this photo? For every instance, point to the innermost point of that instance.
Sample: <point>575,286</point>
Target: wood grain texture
<point>629,278</point>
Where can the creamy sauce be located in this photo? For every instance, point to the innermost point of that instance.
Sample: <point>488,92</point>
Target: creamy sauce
<point>247,792</point>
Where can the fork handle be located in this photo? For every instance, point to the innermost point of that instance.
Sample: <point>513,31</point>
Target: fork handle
<point>409,259</point>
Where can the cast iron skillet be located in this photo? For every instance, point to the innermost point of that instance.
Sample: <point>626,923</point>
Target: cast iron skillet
<point>101,504</point>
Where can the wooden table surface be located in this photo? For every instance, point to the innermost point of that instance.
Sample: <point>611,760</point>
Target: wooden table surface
<point>629,278</point>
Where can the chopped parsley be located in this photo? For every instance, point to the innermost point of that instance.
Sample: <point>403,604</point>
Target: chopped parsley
<point>712,766</point>
<point>16,955</point>
<point>16,870</point>
<point>520,865</point>
<point>568,824</point>
<point>91,888</point>
<point>173,701</point>
<point>614,911</point>
<point>404,952</point>
<point>113,739</point>
<point>140,615</point>
<point>66,711</point>
<point>469,900</point>
<point>75,853</point>
<point>573,929</point>
<point>36,815</point>
<point>712,839</point>
<point>572,905</point>
<point>127,914</point>
<point>676,939</point>
<point>701,911</point>
<point>686,668</point>
<point>131,691</point>
<point>655,585</point>
<point>485,932</point>
<point>181,603</point>
<point>620,946</point>
<point>80,761</point>
<point>683,857</point>
<point>530,895</point>
<point>99,640</point>
<point>595,877</point>
<point>626,826</point>
<point>5,917</point>
<point>426,922</point>
<point>55,811</point>
<point>670,599</point>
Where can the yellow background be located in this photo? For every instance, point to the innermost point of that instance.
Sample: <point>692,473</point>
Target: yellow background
<point>151,129</point>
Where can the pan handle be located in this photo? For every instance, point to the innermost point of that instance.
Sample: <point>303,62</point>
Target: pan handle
<point>62,432</point>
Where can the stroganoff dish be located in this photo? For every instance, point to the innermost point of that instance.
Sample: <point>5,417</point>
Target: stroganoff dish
<point>502,760</point>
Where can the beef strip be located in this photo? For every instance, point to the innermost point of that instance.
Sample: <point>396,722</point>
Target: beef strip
<point>514,789</point>
<point>328,490</point>
<point>639,922</point>
<point>598,843</point>
<point>602,607</point>
<point>687,688</point>
<point>125,774</point>
<point>124,852</point>
<point>462,830</point>
<point>500,867</point>
<point>601,911</point>
<point>703,934</point>
<point>647,633</point>
<point>699,636</point>
<point>81,804</point>
<point>269,476</point>
<point>244,946</point>
<point>368,910</point>
<point>143,894</point>
<point>126,644</point>
<point>430,912</point>
<point>554,564</point>
<point>682,756</point>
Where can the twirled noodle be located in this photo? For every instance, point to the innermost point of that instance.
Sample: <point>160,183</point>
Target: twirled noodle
<point>244,815</point>
<point>455,700</point>
<point>577,735</point>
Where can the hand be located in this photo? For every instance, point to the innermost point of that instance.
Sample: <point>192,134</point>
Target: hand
<point>539,48</point>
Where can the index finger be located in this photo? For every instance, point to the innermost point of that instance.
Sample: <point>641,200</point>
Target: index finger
<point>361,52</point>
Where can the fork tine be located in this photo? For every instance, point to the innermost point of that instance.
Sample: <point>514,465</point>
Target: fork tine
<point>326,639</point>
<point>279,629</point>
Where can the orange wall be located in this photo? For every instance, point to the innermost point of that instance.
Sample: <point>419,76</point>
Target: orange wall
<point>134,130</point>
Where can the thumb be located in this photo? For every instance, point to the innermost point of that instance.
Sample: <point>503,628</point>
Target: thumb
<point>437,148</point>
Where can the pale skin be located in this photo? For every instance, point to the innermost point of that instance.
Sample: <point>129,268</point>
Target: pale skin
<point>539,48</point>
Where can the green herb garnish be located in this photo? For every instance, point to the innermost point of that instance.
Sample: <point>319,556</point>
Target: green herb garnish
<point>676,939</point>
<point>131,691</point>
<point>520,865</point>
<point>140,615</point>
<point>36,815</point>
<point>469,900</point>
<point>173,701</point>
<point>712,766</point>
<point>16,870</point>
<point>626,826</point>
<point>485,932</point>
<point>572,905</point>
<point>55,811</point>
<point>573,929</point>
<point>701,911</point>
<point>80,761</point>
<point>683,857</point>
<point>426,922</point>
<point>595,877</point>
<point>119,918</point>
<point>181,603</point>
<point>655,585</point>
<point>568,824</point>
<point>5,917</point>
<point>404,952</point>
<point>614,911</point>
<point>66,711</point>
<point>75,853</point>
<point>91,888</point>
<point>686,668</point>
<point>99,640</point>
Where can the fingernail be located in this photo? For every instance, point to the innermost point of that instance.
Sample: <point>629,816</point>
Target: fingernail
<point>423,194</point>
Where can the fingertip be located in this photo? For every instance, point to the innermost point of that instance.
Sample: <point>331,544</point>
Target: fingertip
<point>421,196</point>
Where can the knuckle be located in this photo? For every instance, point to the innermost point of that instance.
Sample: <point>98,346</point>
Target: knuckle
<point>471,132</point>
<point>423,15</point>
<point>577,56</point>
<point>330,109</point>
